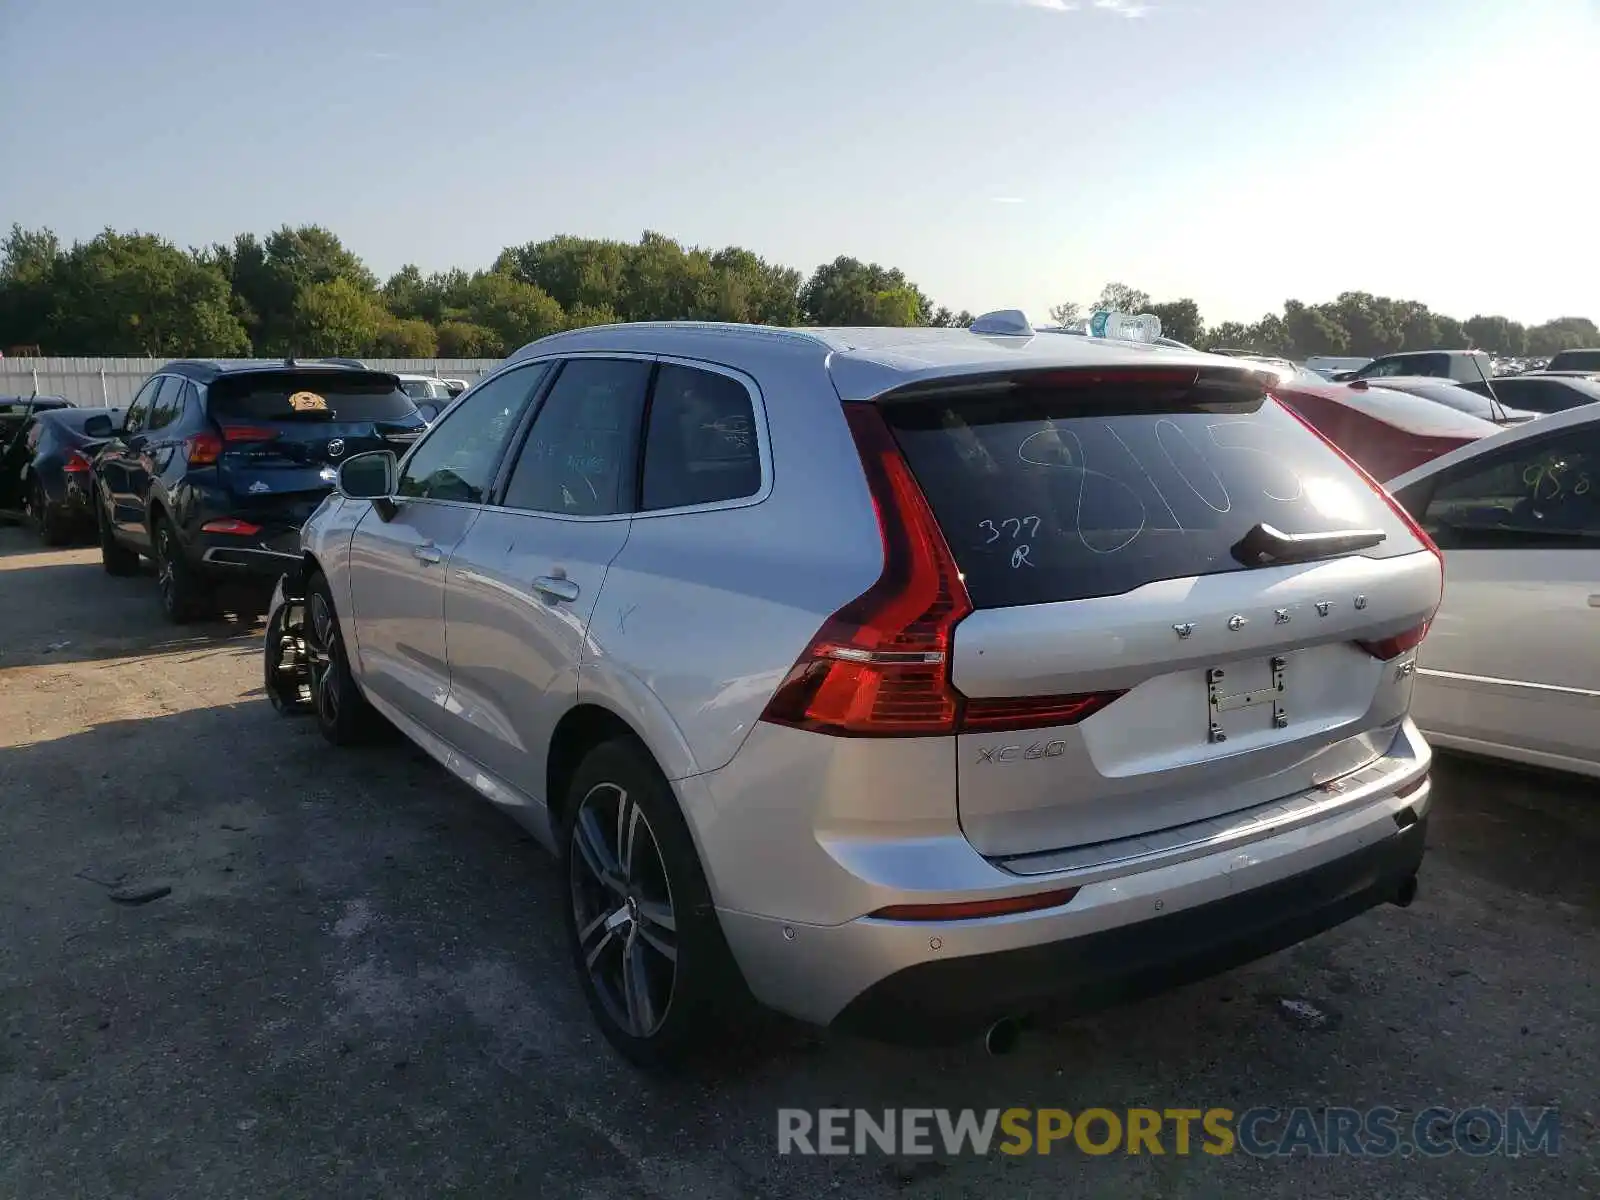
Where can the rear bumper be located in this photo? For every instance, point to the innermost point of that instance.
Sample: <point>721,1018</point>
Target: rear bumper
<point>1175,911</point>
<point>264,555</point>
<point>940,999</point>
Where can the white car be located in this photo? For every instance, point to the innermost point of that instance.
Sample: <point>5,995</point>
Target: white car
<point>1511,667</point>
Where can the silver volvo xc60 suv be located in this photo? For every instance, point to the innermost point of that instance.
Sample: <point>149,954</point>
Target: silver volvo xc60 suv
<point>908,680</point>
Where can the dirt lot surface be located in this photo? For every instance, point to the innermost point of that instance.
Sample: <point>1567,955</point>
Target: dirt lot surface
<point>357,985</point>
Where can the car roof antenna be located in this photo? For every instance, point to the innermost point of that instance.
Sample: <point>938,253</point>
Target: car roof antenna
<point>1495,407</point>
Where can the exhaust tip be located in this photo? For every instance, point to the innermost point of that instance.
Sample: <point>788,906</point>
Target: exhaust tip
<point>1407,893</point>
<point>1002,1036</point>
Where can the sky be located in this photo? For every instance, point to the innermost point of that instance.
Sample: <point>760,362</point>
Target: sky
<point>1003,153</point>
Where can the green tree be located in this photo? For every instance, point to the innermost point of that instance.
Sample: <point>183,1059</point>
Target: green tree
<point>406,338</point>
<point>1180,320</point>
<point>459,339</point>
<point>1068,312</point>
<point>1119,297</point>
<point>1309,330</point>
<point>337,317</point>
<point>269,278</point>
<point>584,315</point>
<point>1564,333</point>
<point>848,291</point>
<point>516,312</point>
<point>138,294</point>
<point>28,262</point>
<point>1498,335</point>
<point>573,270</point>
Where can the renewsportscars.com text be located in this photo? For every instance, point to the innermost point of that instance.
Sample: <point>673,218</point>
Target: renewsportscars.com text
<point>1261,1132</point>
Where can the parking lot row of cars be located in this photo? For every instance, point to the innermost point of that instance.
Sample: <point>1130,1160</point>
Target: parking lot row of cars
<point>903,680</point>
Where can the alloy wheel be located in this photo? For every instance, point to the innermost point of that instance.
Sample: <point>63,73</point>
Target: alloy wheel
<point>166,569</point>
<point>622,909</point>
<point>319,651</point>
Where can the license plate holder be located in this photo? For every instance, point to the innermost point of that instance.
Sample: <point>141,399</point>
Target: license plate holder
<point>1219,701</point>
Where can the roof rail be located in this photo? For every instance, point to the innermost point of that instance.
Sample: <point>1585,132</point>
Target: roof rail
<point>1006,322</point>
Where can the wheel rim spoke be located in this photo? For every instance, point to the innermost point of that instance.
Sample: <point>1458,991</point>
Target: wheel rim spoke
<point>636,989</point>
<point>627,832</point>
<point>596,855</point>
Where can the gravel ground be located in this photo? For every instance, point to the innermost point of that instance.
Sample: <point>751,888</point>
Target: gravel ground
<point>357,984</point>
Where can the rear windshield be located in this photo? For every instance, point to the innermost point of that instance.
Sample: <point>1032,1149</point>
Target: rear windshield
<point>310,396</point>
<point>1062,496</point>
<point>1575,360</point>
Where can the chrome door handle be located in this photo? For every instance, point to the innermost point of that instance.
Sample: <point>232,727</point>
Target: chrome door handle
<point>426,555</point>
<point>552,588</point>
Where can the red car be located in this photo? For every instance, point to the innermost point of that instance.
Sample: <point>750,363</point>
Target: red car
<point>1387,432</point>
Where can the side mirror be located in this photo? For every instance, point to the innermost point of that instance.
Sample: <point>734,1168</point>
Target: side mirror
<point>429,411</point>
<point>372,476</point>
<point>1360,385</point>
<point>99,426</point>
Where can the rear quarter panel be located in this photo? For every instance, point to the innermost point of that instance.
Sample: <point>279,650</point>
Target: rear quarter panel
<point>704,612</point>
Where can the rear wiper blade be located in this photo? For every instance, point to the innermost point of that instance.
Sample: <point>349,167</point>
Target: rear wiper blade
<point>1265,545</point>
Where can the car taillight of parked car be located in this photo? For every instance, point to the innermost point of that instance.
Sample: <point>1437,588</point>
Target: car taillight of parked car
<point>880,666</point>
<point>77,463</point>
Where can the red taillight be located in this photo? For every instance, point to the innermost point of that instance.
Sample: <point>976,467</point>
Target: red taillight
<point>76,463</point>
<point>202,449</point>
<point>231,525</point>
<point>1394,647</point>
<point>880,666</point>
<point>248,433</point>
<point>972,910</point>
<point>1031,712</point>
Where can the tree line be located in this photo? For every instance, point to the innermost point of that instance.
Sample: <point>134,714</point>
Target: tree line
<point>301,291</point>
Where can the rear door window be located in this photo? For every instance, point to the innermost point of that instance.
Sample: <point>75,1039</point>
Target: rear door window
<point>1063,495</point>
<point>1540,492</point>
<point>168,403</point>
<point>343,396</point>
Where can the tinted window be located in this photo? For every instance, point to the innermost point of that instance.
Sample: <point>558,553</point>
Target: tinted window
<point>1540,492</point>
<point>167,403</point>
<point>581,454</point>
<point>1059,496</point>
<point>139,410</point>
<point>1545,395</point>
<point>311,396</point>
<point>701,446</point>
<point>1575,360</point>
<point>458,458</point>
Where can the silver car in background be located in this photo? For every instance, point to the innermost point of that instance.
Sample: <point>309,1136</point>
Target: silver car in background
<point>907,679</point>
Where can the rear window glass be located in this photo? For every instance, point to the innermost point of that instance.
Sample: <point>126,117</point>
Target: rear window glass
<point>310,396</point>
<point>1062,496</point>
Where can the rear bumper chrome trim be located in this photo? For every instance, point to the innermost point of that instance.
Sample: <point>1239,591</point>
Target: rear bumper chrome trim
<point>244,556</point>
<point>1403,769</point>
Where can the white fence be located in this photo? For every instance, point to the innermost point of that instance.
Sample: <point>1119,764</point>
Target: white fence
<point>112,382</point>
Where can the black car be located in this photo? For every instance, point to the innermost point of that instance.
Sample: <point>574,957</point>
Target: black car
<point>44,472</point>
<point>216,466</point>
<point>1541,392</point>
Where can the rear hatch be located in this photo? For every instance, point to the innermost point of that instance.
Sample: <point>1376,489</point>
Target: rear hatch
<point>284,432</point>
<point>1156,601</point>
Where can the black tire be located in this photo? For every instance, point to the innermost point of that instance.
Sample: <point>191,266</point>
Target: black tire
<point>286,663</point>
<point>185,597</point>
<point>661,904</point>
<point>47,523</point>
<point>343,714</point>
<point>114,556</point>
